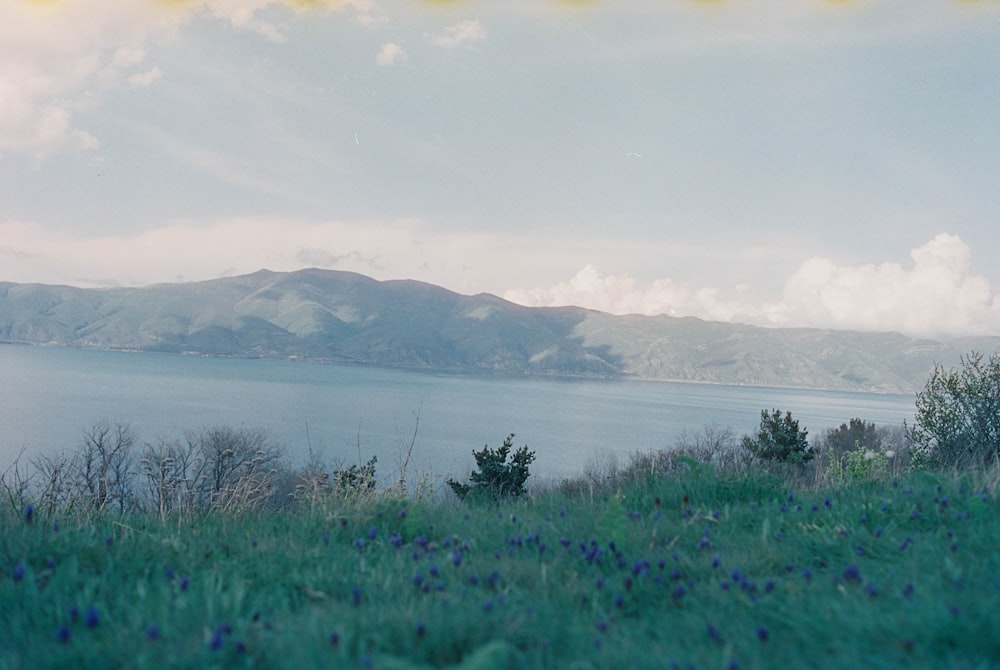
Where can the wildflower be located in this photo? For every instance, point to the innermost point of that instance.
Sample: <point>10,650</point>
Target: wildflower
<point>334,638</point>
<point>828,503</point>
<point>92,617</point>
<point>372,533</point>
<point>908,590</point>
<point>19,572</point>
<point>762,634</point>
<point>456,558</point>
<point>679,592</point>
<point>602,626</point>
<point>488,606</point>
<point>473,580</point>
<point>421,629</point>
<point>184,584</point>
<point>109,540</point>
<point>325,538</point>
<point>29,513</point>
<point>906,543</point>
<point>807,574</point>
<point>253,544</point>
<point>433,570</point>
<point>217,640</point>
<point>715,561</point>
<point>50,563</point>
<point>63,634</point>
<point>356,595</point>
<point>619,600</point>
<point>241,647</point>
<point>768,586</point>
<point>852,573</point>
<point>153,632</point>
<point>714,633</point>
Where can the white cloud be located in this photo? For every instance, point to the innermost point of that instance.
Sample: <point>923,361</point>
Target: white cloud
<point>390,54</point>
<point>938,296</point>
<point>458,34</point>
<point>57,58</point>
<point>144,79</point>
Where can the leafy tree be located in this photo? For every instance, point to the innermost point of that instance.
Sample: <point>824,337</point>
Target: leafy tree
<point>496,477</point>
<point>958,413</point>
<point>779,440</point>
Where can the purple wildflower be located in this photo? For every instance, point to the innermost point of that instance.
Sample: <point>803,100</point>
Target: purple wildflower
<point>153,632</point>
<point>29,513</point>
<point>18,573</point>
<point>334,638</point>
<point>714,633</point>
<point>762,634</point>
<point>852,573</point>
<point>64,634</point>
<point>92,617</point>
<point>421,629</point>
<point>356,595</point>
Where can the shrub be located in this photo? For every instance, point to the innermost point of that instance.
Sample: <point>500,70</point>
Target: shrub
<point>779,440</point>
<point>958,414</point>
<point>496,477</point>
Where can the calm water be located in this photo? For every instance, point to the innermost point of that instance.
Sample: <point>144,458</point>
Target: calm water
<point>48,396</point>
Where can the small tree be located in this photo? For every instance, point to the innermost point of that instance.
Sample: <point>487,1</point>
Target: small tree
<point>779,440</point>
<point>958,414</point>
<point>496,477</point>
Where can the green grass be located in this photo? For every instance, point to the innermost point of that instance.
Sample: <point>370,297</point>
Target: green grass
<point>699,571</point>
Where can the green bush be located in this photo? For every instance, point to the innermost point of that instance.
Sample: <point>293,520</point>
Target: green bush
<point>958,414</point>
<point>779,440</point>
<point>496,477</point>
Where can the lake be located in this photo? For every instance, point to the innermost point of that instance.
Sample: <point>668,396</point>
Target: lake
<point>49,396</point>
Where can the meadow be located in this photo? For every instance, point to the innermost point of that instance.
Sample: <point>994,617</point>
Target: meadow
<point>689,569</point>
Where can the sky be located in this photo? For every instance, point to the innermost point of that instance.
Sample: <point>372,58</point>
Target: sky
<point>813,163</point>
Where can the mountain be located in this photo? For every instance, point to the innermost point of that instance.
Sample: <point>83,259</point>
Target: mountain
<point>349,318</point>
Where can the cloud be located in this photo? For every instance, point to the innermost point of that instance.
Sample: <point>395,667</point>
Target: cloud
<point>58,58</point>
<point>390,54</point>
<point>458,34</point>
<point>938,296</point>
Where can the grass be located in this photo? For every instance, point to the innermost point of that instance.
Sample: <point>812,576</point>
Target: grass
<point>695,571</point>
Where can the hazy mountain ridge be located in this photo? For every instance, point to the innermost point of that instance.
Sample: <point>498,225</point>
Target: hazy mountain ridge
<point>346,317</point>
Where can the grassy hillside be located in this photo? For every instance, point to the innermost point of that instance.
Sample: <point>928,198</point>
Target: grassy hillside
<point>346,317</point>
<point>687,571</point>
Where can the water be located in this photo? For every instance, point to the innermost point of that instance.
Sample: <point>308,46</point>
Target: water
<point>49,396</point>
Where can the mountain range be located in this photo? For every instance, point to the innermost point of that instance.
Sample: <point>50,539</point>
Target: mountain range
<point>345,317</point>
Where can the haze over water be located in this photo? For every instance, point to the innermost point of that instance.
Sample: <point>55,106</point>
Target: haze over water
<point>347,414</point>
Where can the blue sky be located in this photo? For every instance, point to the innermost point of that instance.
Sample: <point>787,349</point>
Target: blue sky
<point>778,162</point>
